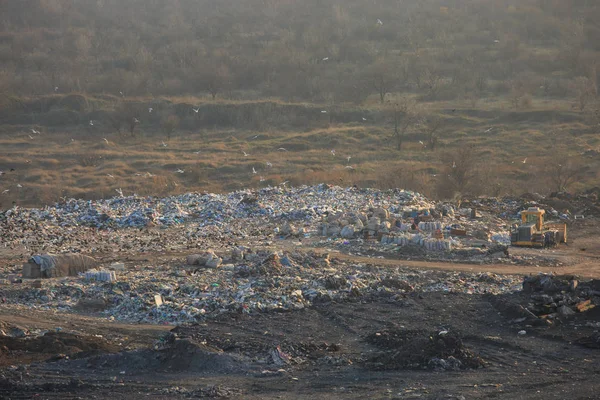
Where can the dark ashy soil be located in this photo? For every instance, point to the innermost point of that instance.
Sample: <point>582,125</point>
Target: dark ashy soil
<point>422,346</point>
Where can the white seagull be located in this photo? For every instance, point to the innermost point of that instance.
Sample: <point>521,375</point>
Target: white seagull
<point>326,58</point>
<point>253,171</point>
<point>364,119</point>
<point>36,132</point>
<point>6,191</point>
<point>163,144</point>
<point>106,140</point>
<point>269,164</point>
<point>281,149</point>
<point>110,176</point>
<point>525,160</point>
<point>323,111</point>
<point>197,152</point>
<point>136,120</point>
<point>91,122</point>
<point>150,109</point>
<point>349,167</point>
<point>196,109</point>
<point>333,152</point>
<point>488,130</point>
<point>348,158</point>
<point>453,164</point>
<point>19,185</point>
<point>56,88</point>
<point>180,171</point>
<point>421,142</point>
<point>30,137</point>
<point>245,154</point>
<point>380,22</point>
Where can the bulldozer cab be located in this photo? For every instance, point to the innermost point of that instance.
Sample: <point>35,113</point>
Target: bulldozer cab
<point>533,215</point>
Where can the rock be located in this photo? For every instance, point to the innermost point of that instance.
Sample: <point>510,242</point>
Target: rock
<point>381,213</point>
<point>237,254</point>
<point>214,262</point>
<point>91,304</point>
<point>200,259</point>
<point>373,224</point>
<point>347,232</point>
<point>289,229</point>
<point>565,311</point>
<point>522,333</point>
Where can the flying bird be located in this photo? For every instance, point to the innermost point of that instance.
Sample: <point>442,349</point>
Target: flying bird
<point>269,164</point>
<point>30,137</point>
<point>122,94</point>
<point>349,167</point>
<point>91,122</point>
<point>19,185</point>
<point>245,154</point>
<point>324,111</point>
<point>106,140</point>
<point>197,152</point>
<point>254,137</point>
<point>364,119</point>
<point>525,160</point>
<point>333,152</point>
<point>326,58</point>
<point>119,191</point>
<point>281,149</point>
<point>488,130</point>
<point>453,164</point>
<point>348,158</point>
<point>56,88</point>
<point>6,191</point>
<point>196,110</point>
<point>284,183</point>
<point>36,132</point>
<point>163,144</point>
<point>180,171</point>
<point>380,22</point>
<point>421,142</point>
<point>150,109</point>
<point>253,171</point>
<point>136,120</point>
<point>110,176</point>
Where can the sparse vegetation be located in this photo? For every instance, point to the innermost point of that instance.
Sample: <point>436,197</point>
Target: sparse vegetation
<point>396,86</point>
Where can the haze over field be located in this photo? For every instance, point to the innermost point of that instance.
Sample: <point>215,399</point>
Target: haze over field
<point>445,97</point>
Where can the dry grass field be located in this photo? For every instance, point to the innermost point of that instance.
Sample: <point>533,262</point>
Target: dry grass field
<point>231,145</point>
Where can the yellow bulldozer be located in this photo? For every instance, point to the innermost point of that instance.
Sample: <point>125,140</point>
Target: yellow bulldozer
<point>533,232</point>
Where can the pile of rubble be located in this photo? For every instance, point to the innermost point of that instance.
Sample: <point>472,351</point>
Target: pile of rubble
<point>560,296</point>
<point>256,281</point>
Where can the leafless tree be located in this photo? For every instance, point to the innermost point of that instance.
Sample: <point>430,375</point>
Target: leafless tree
<point>406,115</point>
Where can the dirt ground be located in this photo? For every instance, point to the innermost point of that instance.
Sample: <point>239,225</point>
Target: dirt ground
<point>421,345</point>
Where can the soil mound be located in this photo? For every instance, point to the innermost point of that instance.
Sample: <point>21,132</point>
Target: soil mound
<point>180,355</point>
<point>406,349</point>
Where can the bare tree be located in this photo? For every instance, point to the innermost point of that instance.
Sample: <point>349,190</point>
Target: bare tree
<point>431,127</point>
<point>459,172</point>
<point>169,124</point>
<point>214,78</point>
<point>406,115</point>
<point>584,91</point>
<point>383,77</point>
<point>563,170</point>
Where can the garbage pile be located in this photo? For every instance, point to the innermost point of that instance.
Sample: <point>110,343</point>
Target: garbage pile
<point>262,281</point>
<point>552,296</point>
